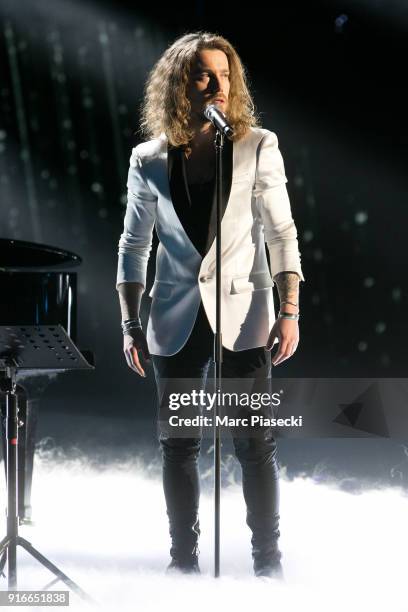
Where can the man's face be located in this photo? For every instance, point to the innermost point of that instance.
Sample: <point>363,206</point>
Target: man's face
<point>209,82</point>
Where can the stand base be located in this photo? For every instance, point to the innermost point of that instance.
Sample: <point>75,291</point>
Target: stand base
<point>12,543</point>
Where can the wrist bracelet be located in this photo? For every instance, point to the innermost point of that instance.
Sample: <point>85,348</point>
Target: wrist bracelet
<point>134,323</point>
<point>289,315</point>
<point>287,302</point>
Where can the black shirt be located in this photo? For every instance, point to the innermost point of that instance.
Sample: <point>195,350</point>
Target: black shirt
<point>195,204</point>
<point>201,201</point>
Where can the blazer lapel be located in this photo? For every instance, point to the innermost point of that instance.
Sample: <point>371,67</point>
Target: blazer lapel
<point>178,192</point>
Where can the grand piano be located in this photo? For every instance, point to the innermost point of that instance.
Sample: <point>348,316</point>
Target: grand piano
<point>37,287</point>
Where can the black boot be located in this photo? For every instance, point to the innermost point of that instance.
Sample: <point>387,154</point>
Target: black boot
<point>184,551</point>
<point>269,570</point>
<point>266,555</point>
<point>187,567</point>
<point>184,563</point>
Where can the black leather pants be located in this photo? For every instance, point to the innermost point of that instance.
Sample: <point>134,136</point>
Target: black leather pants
<point>257,455</point>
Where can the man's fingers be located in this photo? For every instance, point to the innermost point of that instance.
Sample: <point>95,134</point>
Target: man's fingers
<point>280,353</point>
<point>136,361</point>
<point>129,360</point>
<point>134,342</point>
<point>285,351</point>
<point>133,361</point>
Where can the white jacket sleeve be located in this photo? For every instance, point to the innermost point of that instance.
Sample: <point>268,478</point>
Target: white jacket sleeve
<point>136,240</point>
<point>273,204</point>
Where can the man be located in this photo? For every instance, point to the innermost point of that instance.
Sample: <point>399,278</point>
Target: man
<point>171,188</point>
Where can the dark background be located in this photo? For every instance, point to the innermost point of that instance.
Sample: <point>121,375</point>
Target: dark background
<point>327,77</point>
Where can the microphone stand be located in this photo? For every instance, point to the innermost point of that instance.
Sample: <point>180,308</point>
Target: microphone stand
<point>218,143</point>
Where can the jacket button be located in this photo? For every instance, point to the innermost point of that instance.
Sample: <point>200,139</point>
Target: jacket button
<point>203,279</point>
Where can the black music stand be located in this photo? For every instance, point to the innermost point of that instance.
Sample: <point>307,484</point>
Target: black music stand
<point>29,347</point>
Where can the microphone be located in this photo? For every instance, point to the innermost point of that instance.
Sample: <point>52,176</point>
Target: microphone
<point>218,119</point>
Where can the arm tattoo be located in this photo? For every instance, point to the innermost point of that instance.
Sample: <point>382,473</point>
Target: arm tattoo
<point>288,286</point>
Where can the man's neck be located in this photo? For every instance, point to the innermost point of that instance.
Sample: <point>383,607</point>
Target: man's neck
<point>202,141</point>
<point>203,133</point>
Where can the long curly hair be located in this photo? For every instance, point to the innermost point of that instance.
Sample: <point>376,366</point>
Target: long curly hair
<point>165,107</point>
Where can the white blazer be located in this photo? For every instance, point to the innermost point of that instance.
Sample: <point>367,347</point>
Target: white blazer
<point>256,211</point>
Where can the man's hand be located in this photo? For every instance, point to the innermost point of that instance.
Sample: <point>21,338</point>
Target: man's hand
<point>287,332</point>
<point>135,341</point>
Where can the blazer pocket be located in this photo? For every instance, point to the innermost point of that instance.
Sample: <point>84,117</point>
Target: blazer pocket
<point>161,290</point>
<point>243,284</point>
